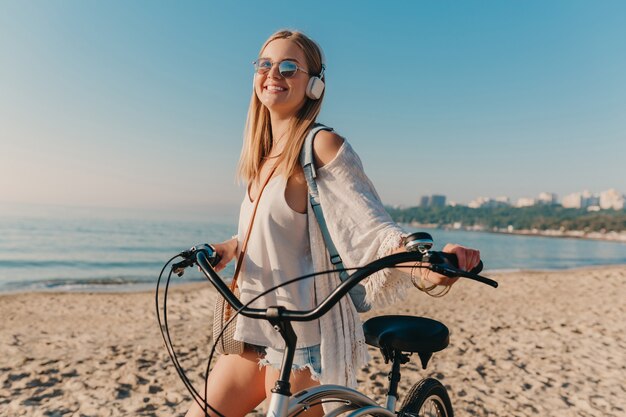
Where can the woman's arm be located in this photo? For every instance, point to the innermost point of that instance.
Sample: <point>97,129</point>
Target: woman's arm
<point>359,225</point>
<point>325,147</point>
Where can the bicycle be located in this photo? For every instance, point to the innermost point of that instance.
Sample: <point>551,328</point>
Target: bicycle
<point>397,337</point>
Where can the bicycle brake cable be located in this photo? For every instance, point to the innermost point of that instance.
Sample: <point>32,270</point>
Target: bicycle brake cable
<point>164,328</point>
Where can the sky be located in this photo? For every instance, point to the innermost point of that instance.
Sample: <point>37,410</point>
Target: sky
<point>141,105</point>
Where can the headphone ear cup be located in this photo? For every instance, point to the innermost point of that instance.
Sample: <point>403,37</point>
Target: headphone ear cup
<point>315,88</point>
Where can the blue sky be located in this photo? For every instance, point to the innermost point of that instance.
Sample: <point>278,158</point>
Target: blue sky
<point>141,104</point>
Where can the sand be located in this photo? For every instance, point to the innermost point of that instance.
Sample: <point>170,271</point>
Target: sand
<point>544,343</point>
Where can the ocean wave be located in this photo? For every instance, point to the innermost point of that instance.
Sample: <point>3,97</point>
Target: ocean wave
<point>68,263</point>
<point>117,284</point>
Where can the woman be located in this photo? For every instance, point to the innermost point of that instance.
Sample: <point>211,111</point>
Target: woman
<point>286,242</point>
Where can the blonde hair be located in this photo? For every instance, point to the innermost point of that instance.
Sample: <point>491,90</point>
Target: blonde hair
<point>258,132</point>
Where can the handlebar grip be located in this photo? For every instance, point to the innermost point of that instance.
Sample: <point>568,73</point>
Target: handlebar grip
<point>439,258</point>
<point>454,261</point>
<point>212,256</point>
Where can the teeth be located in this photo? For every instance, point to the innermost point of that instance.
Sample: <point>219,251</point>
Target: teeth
<point>274,88</point>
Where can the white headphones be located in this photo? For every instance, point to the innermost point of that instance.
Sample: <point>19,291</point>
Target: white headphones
<point>315,88</point>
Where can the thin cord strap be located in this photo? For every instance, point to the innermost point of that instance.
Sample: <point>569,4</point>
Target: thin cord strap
<point>244,246</point>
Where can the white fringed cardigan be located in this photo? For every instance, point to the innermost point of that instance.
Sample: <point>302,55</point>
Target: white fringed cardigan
<point>362,231</point>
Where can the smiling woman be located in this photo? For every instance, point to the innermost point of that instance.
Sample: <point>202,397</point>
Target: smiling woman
<point>279,237</point>
<point>288,95</point>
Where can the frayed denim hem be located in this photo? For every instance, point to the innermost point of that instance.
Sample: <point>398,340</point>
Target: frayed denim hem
<point>303,358</point>
<point>314,374</point>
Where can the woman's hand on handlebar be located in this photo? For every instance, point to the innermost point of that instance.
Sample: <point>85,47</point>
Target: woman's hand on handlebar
<point>227,250</point>
<point>467,258</point>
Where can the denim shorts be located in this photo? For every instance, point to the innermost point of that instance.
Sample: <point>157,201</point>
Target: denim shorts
<point>308,357</point>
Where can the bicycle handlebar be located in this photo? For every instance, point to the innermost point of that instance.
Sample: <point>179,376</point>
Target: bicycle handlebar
<point>418,247</point>
<point>440,262</point>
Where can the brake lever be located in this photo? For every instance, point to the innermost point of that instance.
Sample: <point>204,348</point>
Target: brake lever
<point>179,268</point>
<point>189,258</point>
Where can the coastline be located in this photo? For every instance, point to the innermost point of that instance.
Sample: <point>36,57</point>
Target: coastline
<point>619,237</point>
<point>536,345</point>
<point>150,287</point>
<point>572,234</point>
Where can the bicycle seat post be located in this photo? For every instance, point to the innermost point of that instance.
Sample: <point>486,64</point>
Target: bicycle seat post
<point>282,389</point>
<point>397,358</point>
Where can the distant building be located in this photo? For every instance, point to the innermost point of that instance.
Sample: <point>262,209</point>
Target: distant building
<point>574,200</point>
<point>438,200</point>
<point>503,200</point>
<point>611,199</point>
<point>477,202</point>
<point>433,201</point>
<point>543,199</point>
<point>547,198</point>
<point>525,202</point>
<point>582,200</point>
<point>589,199</point>
<point>488,202</point>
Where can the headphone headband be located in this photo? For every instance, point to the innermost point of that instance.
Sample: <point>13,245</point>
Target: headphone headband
<point>322,57</point>
<point>321,75</point>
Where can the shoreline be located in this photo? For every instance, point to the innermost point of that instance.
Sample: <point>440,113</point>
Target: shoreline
<point>556,234</point>
<point>617,237</point>
<point>112,289</point>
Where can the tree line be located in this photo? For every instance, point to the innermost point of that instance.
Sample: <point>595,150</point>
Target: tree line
<point>545,217</point>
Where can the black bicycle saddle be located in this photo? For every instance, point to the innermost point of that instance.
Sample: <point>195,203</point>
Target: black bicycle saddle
<point>406,333</point>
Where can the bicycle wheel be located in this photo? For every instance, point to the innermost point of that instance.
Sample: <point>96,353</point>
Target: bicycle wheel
<point>427,398</point>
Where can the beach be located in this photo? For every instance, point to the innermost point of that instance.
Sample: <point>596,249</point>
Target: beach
<point>543,343</point>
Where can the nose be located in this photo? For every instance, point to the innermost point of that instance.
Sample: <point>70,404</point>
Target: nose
<point>273,72</point>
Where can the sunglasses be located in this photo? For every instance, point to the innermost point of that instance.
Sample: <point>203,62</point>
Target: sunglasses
<point>286,68</point>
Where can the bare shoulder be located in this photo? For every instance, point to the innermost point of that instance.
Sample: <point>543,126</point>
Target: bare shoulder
<point>325,147</point>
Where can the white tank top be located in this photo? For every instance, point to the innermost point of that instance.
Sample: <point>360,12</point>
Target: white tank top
<point>278,250</point>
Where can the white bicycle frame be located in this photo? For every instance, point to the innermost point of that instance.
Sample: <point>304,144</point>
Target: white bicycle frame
<point>360,404</point>
<point>282,403</point>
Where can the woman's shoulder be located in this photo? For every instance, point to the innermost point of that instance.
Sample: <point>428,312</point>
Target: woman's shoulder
<point>326,146</point>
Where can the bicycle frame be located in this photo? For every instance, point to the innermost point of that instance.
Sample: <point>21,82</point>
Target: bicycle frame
<point>353,400</point>
<point>282,403</point>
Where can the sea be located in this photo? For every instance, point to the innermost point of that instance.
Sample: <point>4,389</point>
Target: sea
<point>92,253</point>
